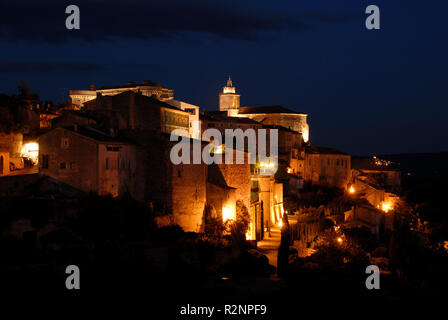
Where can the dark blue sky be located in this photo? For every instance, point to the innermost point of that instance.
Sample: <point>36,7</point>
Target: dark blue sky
<point>367,92</point>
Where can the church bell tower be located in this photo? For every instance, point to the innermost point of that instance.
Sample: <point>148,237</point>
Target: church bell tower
<point>229,100</point>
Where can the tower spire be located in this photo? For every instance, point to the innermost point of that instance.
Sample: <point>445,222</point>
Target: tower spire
<point>229,82</point>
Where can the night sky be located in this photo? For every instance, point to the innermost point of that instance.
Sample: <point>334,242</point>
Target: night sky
<point>366,91</point>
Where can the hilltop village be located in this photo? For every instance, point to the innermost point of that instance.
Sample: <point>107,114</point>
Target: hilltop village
<point>92,180</point>
<point>115,141</point>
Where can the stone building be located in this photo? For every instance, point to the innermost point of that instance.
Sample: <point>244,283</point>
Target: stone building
<point>88,160</point>
<point>147,88</point>
<point>221,121</point>
<point>327,166</point>
<point>382,173</point>
<point>134,111</point>
<point>229,101</point>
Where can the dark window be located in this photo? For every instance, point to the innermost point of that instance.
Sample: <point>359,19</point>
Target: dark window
<point>62,165</point>
<point>45,161</point>
<point>65,143</point>
<point>107,164</point>
<point>211,125</point>
<point>179,173</point>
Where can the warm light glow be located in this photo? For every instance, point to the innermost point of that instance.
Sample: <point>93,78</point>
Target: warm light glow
<point>289,170</point>
<point>280,223</point>
<point>351,190</point>
<point>229,90</point>
<point>386,207</point>
<point>31,150</point>
<point>249,232</point>
<point>339,240</point>
<point>219,149</point>
<point>228,213</point>
<point>267,165</point>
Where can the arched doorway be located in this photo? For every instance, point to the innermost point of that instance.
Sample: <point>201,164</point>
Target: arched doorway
<point>1,164</point>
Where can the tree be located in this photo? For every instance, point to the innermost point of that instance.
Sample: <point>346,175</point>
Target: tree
<point>240,226</point>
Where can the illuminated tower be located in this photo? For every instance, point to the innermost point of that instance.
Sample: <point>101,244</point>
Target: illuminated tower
<point>229,100</point>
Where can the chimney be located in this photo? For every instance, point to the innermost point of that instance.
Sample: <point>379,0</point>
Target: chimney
<point>92,87</point>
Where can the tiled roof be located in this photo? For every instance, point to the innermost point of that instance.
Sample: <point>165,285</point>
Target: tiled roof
<point>97,134</point>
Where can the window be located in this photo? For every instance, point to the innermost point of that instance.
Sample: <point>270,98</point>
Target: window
<point>211,125</point>
<point>65,143</point>
<point>107,164</point>
<point>62,165</point>
<point>179,173</point>
<point>337,162</point>
<point>73,165</point>
<point>45,161</point>
<point>110,148</point>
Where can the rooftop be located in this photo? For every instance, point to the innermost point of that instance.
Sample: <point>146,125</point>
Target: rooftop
<point>222,116</point>
<point>324,150</point>
<point>131,84</point>
<point>141,96</point>
<point>97,135</point>
<point>266,109</point>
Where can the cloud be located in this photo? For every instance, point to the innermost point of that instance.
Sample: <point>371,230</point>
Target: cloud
<point>44,21</point>
<point>47,66</point>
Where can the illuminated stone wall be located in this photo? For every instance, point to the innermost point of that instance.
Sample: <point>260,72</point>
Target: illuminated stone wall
<point>238,176</point>
<point>4,163</point>
<point>11,142</point>
<point>327,169</point>
<point>296,122</point>
<point>80,157</point>
<point>229,101</point>
<point>87,164</point>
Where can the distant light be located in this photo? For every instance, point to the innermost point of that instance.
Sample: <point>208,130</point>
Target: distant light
<point>280,223</point>
<point>339,239</point>
<point>351,190</point>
